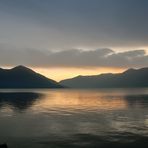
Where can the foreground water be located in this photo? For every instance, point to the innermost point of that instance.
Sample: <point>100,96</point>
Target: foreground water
<point>65,118</point>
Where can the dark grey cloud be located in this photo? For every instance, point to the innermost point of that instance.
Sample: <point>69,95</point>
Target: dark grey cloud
<point>74,23</point>
<point>74,58</point>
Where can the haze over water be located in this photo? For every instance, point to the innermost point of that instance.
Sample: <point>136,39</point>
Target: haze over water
<point>74,118</point>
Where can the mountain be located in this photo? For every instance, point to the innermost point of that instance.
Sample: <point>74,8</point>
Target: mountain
<point>23,77</point>
<point>129,78</point>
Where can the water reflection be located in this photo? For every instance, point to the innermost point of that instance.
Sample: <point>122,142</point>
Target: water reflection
<point>74,101</point>
<point>71,100</point>
<point>74,118</point>
<point>94,141</point>
<point>18,100</point>
<point>134,100</point>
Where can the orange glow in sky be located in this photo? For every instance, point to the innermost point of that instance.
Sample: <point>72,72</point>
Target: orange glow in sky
<point>64,73</point>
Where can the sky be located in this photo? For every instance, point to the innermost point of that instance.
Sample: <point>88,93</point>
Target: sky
<point>66,38</point>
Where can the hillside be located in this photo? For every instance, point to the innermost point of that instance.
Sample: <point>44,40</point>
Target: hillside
<point>23,77</point>
<point>129,78</point>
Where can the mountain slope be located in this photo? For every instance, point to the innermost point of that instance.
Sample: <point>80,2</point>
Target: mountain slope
<point>23,77</point>
<point>129,78</point>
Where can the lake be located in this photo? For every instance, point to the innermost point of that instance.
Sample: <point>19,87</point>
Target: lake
<point>70,118</point>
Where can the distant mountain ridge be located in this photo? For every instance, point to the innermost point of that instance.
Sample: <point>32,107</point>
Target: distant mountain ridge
<point>129,78</point>
<point>23,77</point>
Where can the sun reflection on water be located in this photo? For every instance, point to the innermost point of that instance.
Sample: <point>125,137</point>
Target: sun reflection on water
<point>79,100</point>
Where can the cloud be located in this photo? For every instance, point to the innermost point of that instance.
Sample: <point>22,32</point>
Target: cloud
<point>77,58</point>
<point>74,23</point>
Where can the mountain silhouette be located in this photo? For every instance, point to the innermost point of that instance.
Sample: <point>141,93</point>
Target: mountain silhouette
<point>129,78</point>
<point>23,77</point>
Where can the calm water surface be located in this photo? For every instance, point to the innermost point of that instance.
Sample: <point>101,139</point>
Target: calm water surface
<point>65,118</point>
